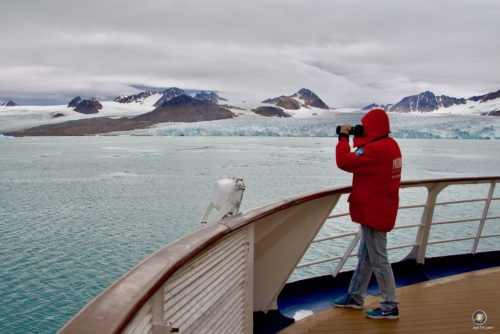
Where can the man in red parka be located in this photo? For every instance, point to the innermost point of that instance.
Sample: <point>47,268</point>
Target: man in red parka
<point>376,166</point>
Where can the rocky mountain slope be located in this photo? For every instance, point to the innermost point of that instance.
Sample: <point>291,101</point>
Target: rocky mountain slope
<point>310,99</point>
<point>89,106</point>
<point>184,108</point>
<point>270,111</point>
<point>9,103</point>
<point>304,98</point>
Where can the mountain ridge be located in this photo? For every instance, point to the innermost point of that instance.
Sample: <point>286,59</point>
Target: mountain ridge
<point>184,108</point>
<point>304,98</point>
<point>8,103</point>
<point>427,101</point>
<point>486,97</point>
<point>90,116</point>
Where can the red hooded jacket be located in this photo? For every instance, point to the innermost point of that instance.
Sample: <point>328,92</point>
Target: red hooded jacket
<point>376,167</point>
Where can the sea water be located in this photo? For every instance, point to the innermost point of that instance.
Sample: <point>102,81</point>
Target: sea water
<point>78,212</point>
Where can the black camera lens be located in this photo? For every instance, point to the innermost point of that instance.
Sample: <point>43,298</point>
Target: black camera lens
<point>357,131</point>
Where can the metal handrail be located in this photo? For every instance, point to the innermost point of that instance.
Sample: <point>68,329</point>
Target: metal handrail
<point>338,236</point>
<point>449,240</point>
<point>425,223</point>
<point>490,235</point>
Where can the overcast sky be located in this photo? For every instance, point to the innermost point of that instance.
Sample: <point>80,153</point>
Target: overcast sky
<point>349,52</point>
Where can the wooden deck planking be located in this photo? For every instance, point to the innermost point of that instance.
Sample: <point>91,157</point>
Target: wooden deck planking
<point>443,305</point>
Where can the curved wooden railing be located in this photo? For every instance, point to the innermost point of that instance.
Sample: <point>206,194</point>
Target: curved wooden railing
<point>216,277</point>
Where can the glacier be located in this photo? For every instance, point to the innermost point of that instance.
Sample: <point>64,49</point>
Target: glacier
<point>402,126</point>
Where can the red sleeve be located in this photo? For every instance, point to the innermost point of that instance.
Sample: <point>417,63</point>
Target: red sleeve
<point>361,161</point>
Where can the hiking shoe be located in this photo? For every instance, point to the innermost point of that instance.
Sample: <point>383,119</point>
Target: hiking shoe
<point>347,302</point>
<point>378,313</point>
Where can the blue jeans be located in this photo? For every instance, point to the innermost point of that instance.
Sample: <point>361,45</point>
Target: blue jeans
<point>372,257</point>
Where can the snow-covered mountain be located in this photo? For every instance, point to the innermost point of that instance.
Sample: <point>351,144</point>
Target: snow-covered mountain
<point>486,97</point>
<point>88,106</point>
<point>428,102</point>
<point>9,103</point>
<point>184,108</point>
<point>303,103</point>
<point>489,106</point>
<point>425,102</point>
<point>304,98</point>
<point>151,98</point>
<point>74,102</point>
<point>310,99</point>
<point>209,97</point>
<point>157,98</point>
<point>377,106</point>
<point>169,94</point>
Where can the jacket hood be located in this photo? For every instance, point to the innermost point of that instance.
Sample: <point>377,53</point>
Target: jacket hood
<point>376,124</point>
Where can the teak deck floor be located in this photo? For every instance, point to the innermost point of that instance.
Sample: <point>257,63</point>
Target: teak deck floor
<point>443,305</point>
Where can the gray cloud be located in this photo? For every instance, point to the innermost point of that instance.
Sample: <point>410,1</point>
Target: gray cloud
<point>348,52</point>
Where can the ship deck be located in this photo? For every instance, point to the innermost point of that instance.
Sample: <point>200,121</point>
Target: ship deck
<point>444,304</point>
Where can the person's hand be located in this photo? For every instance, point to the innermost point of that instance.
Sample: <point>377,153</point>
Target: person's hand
<point>345,128</point>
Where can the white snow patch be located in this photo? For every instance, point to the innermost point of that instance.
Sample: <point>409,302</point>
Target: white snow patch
<point>471,108</point>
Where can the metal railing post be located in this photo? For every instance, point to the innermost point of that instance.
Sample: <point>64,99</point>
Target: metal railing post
<point>483,217</point>
<point>347,253</point>
<point>422,238</point>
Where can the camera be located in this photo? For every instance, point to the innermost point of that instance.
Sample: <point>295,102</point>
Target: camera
<point>357,131</point>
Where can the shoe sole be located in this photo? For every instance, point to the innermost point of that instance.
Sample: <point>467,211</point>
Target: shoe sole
<point>356,307</point>
<point>382,317</point>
